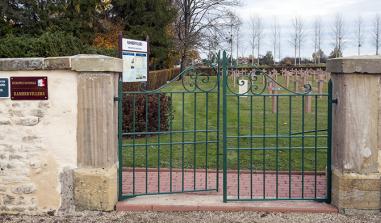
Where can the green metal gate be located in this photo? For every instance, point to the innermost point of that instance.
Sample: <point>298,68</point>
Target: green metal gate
<point>169,139</point>
<point>274,143</point>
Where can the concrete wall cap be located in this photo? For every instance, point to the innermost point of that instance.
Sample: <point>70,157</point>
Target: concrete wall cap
<point>355,64</point>
<point>80,63</point>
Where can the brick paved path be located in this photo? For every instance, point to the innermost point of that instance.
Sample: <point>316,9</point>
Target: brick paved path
<point>245,191</point>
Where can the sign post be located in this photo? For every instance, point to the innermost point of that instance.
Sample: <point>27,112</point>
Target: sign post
<point>135,59</point>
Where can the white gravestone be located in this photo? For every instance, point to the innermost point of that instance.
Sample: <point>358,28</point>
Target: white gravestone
<point>243,87</point>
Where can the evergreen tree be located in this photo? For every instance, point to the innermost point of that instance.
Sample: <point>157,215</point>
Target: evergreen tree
<point>140,18</point>
<point>92,22</point>
<point>336,52</point>
<point>268,59</point>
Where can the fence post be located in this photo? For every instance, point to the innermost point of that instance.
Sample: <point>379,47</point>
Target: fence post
<point>356,133</point>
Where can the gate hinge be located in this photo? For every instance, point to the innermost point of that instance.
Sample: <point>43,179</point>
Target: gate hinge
<point>116,98</point>
<point>335,101</point>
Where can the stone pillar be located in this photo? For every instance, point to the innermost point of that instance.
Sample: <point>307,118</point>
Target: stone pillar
<point>95,179</point>
<point>356,133</point>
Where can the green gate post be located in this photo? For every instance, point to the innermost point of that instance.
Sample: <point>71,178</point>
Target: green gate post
<point>224,107</point>
<point>329,153</point>
<point>120,137</point>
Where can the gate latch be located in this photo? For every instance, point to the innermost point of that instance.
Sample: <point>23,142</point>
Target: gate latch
<point>335,101</point>
<point>116,98</point>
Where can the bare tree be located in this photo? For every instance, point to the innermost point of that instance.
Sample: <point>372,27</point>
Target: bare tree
<point>237,39</point>
<point>279,43</point>
<point>294,38</point>
<point>359,34</point>
<point>253,36</point>
<point>259,33</point>
<point>275,36</point>
<point>339,34</point>
<point>301,37</point>
<point>376,33</point>
<point>197,19</point>
<point>297,37</point>
<point>213,45</point>
<point>317,40</point>
<point>233,24</point>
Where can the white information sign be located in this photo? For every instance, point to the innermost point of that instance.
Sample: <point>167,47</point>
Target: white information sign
<point>134,45</point>
<point>135,58</point>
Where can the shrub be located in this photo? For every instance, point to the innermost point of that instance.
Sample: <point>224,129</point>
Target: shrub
<point>156,79</point>
<point>146,114</point>
<point>49,44</point>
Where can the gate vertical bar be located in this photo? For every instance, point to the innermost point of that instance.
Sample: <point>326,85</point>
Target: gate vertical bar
<point>133,142</point>
<point>238,147</point>
<point>158,141</point>
<point>120,139</point>
<point>194,139</point>
<point>120,121</point>
<point>289,148</point>
<point>224,107</point>
<point>329,141</point>
<point>171,146</point>
<point>146,140</point>
<point>218,121</point>
<point>206,140</point>
<point>315,145</point>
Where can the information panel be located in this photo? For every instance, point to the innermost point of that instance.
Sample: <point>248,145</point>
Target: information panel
<point>29,88</point>
<point>4,87</point>
<point>135,60</point>
<point>134,67</point>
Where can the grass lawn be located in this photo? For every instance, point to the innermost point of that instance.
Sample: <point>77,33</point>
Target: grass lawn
<point>267,140</point>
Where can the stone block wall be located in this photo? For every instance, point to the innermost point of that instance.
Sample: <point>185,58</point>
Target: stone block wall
<point>44,144</point>
<point>37,143</point>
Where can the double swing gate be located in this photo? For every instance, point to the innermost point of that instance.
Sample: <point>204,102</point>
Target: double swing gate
<point>247,136</point>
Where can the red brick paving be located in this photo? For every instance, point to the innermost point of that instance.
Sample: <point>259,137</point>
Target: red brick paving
<point>245,192</point>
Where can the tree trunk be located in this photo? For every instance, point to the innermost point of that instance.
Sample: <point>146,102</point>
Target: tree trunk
<point>258,62</point>
<point>183,60</point>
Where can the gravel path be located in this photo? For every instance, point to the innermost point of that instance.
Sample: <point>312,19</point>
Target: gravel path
<point>196,217</point>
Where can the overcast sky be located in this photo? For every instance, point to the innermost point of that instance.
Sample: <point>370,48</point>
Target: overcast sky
<point>285,10</point>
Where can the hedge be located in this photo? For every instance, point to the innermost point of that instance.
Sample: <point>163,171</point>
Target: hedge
<point>156,79</point>
<point>145,113</point>
<point>49,44</point>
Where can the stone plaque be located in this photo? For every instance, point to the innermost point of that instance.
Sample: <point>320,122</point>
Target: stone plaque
<point>4,87</point>
<point>29,88</point>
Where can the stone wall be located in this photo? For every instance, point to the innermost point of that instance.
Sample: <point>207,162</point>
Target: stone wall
<point>49,148</point>
<point>37,143</point>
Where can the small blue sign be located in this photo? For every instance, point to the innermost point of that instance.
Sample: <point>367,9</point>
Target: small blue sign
<point>4,87</point>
